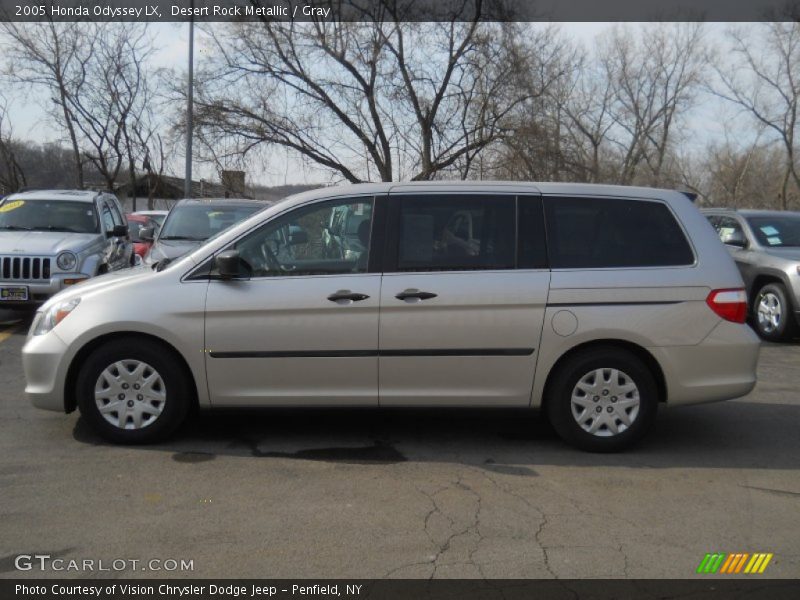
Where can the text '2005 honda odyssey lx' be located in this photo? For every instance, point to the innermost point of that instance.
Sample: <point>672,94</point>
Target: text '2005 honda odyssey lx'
<point>593,303</point>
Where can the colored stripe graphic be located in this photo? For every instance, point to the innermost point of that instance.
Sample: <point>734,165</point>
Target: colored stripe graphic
<point>740,564</point>
<point>711,563</point>
<point>728,563</point>
<point>766,562</point>
<point>734,563</point>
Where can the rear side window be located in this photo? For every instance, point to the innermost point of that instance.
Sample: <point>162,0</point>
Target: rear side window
<point>455,232</point>
<point>586,233</point>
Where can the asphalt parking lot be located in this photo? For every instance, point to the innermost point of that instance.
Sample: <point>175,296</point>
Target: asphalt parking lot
<point>412,494</point>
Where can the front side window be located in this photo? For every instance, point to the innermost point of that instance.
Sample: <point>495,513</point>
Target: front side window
<point>48,215</point>
<point>108,217</point>
<point>456,232</point>
<point>586,233</point>
<point>302,242</point>
<point>776,231</point>
<point>115,214</point>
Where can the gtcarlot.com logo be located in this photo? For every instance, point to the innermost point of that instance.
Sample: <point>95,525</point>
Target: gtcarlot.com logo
<point>44,562</point>
<point>737,562</point>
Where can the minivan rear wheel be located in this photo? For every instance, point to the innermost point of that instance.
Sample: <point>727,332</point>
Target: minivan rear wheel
<point>773,317</point>
<point>602,399</point>
<point>133,391</point>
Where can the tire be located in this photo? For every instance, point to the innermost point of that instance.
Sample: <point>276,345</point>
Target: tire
<point>149,417</point>
<point>567,403</point>
<point>773,314</point>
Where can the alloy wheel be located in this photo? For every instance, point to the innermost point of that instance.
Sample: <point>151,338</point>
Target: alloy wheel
<point>769,312</point>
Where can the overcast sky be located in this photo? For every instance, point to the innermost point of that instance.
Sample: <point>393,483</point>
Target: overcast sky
<point>707,121</point>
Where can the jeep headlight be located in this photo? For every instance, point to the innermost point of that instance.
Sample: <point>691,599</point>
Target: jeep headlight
<point>53,316</point>
<point>67,261</point>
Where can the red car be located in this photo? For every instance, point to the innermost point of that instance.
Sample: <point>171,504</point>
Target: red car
<point>135,223</point>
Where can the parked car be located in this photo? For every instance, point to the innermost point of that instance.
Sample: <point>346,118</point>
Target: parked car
<point>766,247</point>
<point>191,222</point>
<point>596,304</point>
<point>52,239</point>
<point>156,215</point>
<point>137,222</point>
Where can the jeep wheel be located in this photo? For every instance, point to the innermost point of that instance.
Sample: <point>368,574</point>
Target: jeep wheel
<point>773,314</point>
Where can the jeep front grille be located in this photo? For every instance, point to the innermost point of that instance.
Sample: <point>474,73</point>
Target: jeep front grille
<point>24,268</point>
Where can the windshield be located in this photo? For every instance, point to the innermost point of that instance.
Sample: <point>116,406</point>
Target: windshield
<point>199,222</point>
<point>48,215</point>
<point>776,231</point>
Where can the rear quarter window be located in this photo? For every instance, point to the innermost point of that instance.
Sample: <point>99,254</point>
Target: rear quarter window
<point>586,233</point>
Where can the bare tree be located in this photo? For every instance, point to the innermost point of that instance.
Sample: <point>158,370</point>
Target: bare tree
<point>654,77</point>
<point>393,98</point>
<point>533,144</point>
<point>12,176</point>
<point>611,115</point>
<point>109,97</point>
<point>46,56</point>
<point>588,117</point>
<point>765,84</point>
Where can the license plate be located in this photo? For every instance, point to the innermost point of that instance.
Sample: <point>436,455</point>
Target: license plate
<point>12,294</point>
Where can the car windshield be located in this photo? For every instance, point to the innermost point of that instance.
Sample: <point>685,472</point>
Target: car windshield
<point>48,215</point>
<point>198,222</point>
<point>776,231</point>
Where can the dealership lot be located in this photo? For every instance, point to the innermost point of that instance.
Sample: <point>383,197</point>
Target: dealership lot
<point>363,494</point>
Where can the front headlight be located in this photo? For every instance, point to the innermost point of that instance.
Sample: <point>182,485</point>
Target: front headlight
<point>66,261</point>
<point>54,315</point>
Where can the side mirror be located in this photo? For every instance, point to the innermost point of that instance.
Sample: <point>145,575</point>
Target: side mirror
<point>118,231</point>
<point>229,265</point>
<point>147,234</point>
<point>736,238</point>
<point>297,235</point>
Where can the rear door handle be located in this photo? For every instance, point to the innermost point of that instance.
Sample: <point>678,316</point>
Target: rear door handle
<point>414,293</point>
<point>347,295</point>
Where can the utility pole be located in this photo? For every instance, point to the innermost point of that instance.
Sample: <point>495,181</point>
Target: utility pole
<point>187,184</point>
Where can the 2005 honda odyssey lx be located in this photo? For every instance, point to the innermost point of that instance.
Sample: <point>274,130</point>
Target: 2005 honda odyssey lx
<point>594,303</point>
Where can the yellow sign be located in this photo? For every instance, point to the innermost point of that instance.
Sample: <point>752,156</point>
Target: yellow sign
<point>9,206</point>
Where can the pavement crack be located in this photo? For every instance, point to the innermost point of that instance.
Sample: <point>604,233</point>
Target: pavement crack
<point>774,491</point>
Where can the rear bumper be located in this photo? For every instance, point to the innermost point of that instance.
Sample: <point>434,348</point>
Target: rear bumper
<point>722,367</point>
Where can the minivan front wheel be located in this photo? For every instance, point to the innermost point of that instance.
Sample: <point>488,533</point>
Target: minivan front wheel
<point>773,318</point>
<point>602,399</point>
<point>133,391</point>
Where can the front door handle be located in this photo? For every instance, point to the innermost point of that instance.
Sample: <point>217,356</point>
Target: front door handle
<point>347,295</point>
<point>415,293</point>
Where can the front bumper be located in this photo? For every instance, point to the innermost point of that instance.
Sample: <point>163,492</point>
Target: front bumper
<point>45,362</point>
<point>42,290</point>
<point>722,367</point>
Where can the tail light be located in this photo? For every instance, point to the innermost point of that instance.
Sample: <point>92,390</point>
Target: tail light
<point>731,304</point>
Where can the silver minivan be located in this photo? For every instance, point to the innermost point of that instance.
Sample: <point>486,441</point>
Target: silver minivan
<point>595,304</point>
